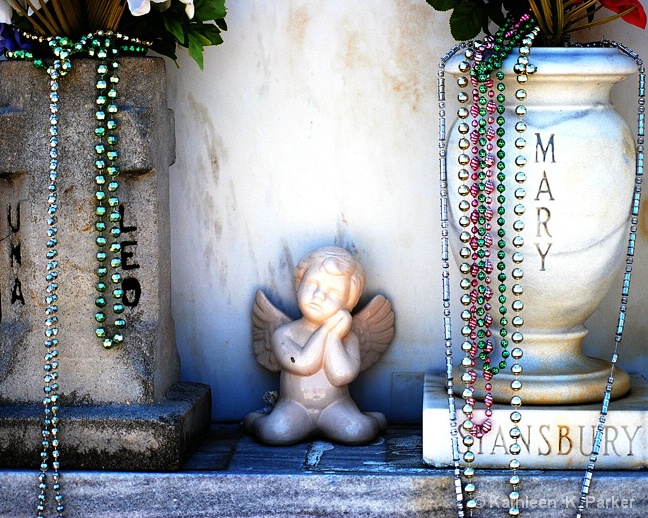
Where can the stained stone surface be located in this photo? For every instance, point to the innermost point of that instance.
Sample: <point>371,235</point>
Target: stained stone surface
<point>553,437</point>
<point>232,475</point>
<point>147,365</point>
<point>141,372</point>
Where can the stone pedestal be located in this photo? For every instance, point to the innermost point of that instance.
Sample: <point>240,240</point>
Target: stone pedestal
<point>130,394</point>
<point>553,437</point>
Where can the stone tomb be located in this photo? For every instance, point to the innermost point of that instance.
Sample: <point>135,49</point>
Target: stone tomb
<point>553,437</point>
<point>121,408</point>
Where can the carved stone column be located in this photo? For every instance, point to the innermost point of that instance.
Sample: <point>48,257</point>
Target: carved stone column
<point>122,408</point>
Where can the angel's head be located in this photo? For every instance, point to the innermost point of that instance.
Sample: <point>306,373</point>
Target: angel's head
<point>332,272</point>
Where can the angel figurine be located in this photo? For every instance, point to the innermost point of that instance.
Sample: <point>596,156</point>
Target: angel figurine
<point>321,353</point>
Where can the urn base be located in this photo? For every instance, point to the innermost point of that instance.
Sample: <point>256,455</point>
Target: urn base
<point>586,386</point>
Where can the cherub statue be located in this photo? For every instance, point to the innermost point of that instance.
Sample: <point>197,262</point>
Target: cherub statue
<point>321,353</point>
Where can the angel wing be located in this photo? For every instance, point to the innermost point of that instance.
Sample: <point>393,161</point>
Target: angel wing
<point>374,326</point>
<point>265,319</point>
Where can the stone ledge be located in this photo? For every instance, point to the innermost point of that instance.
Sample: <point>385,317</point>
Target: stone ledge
<point>157,437</point>
<point>233,476</point>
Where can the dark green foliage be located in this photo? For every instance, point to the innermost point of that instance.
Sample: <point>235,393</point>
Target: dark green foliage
<point>470,17</point>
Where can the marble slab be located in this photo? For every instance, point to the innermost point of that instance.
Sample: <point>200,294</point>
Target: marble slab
<point>553,437</point>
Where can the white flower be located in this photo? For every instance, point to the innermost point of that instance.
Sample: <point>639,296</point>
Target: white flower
<point>189,9</point>
<point>7,8</point>
<point>141,7</point>
<point>5,12</point>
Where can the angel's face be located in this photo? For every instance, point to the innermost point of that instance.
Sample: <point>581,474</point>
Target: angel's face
<point>321,294</point>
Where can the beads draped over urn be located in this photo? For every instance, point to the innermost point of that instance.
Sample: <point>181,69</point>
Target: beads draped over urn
<point>573,214</point>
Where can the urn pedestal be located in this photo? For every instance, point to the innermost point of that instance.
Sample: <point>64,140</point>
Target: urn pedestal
<point>557,437</point>
<point>123,408</point>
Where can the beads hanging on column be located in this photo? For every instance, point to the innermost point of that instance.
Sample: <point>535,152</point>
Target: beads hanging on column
<point>51,421</point>
<point>106,47</point>
<point>471,243</point>
<point>107,209</point>
<point>445,264</point>
<point>522,69</point>
<point>483,223</point>
<point>625,289</point>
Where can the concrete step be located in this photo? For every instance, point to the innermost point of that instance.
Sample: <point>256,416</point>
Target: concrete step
<point>231,475</point>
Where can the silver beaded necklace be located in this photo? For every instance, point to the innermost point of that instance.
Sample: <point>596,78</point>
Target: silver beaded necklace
<point>632,237</point>
<point>105,46</point>
<point>522,69</point>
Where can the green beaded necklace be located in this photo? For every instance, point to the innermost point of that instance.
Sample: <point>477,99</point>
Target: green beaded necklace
<point>107,202</point>
<point>481,71</point>
<point>106,47</point>
<point>483,175</point>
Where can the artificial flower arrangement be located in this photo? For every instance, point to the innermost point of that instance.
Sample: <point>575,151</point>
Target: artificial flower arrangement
<point>557,18</point>
<point>162,24</point>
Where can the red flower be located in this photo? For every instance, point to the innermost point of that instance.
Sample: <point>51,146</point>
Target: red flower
<point>635,17</point>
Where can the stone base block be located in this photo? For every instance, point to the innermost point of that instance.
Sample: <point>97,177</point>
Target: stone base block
<point>158,437</point>
<point>553,437</point>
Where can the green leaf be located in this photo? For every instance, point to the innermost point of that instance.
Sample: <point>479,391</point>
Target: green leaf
<point>196,50</point>
<point>209,10</point>
<point>221,23</point>
<point>166,48</point>
<point>465,21</point>
<point>496,15</point>
<point>211,33</point>
<point>443,5</point>
<point>196,33</point>
<point>175,28</point>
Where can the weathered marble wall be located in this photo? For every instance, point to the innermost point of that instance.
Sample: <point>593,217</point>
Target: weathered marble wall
<point>315,123</point>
